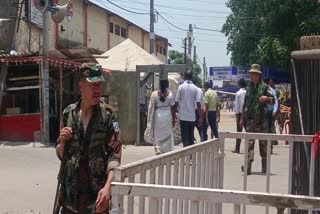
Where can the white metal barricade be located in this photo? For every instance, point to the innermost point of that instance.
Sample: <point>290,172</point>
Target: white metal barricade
<point>199,165</point>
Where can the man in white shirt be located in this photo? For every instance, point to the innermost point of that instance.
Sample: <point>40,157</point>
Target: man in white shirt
<point>187,96</point>
<point>238,110</point>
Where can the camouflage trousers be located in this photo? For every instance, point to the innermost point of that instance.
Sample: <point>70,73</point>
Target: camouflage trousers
<point>255,127</point>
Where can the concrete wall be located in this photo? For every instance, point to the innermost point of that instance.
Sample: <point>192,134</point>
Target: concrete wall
<point>122,87</point>
<point>7,27</point>
<point>136,35</point>
<point>73,33</point>
<point>147,42</point>
<point>98,28</point>
<point>115,39</point>
<point>160,54</point>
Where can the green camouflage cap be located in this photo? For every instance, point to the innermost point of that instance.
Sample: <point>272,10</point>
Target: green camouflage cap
<point>255,68</point>
<point>91,72</point>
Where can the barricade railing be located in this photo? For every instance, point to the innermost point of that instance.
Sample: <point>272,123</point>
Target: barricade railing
<point>198,196</point>
<point>199,165</point>
<point>270,137</point>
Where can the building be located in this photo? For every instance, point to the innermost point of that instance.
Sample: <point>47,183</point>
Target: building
<point>91,30</point>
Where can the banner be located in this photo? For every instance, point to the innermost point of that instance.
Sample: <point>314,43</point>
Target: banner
<point>35,15</point>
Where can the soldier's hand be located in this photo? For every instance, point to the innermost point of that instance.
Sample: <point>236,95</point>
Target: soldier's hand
<point>263,99</point>
<point>103,199</point>
<point>241,124</point>
<point>65,134</point>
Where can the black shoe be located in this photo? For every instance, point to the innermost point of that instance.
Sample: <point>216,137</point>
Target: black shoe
<point>248,170</point>
<point>264,166</point>
<point>235,151</point>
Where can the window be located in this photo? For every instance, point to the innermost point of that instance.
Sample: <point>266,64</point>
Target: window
<point>160,50</point>
<point>165,51</point>
<point>124,32</point>
<point>117,30</point>
<point>111,27</point>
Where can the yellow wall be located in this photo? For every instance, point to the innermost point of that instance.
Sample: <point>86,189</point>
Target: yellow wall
<point>147,42</point>
<point>97,28</point>
<point>162,57</point>
<point>135,34</point>
<point>115,39</point>
<point>74,34</point>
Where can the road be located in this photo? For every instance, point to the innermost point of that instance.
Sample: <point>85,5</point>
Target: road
<point>29,171</point>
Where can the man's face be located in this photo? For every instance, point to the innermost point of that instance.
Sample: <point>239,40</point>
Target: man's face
<point>272,83</point>
<point>90,92</point>
<point>255,77</point>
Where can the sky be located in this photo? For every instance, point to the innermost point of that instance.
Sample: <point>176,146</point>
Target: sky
<point>206,14</point>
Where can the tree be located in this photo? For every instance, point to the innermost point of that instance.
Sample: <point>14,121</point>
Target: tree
<point>177,57</point>
<point>266,32</point>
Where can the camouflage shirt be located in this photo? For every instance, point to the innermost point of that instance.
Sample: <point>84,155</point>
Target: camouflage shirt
<point>89,155</point>
<point>252,108</point>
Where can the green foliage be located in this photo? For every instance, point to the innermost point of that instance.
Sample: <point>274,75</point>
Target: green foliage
<point>266,32</point>
<point>177,57</point>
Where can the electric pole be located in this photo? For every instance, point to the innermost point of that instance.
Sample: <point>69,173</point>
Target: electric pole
<point>204,70</point>
<point>185,50</point>
<point>45,103</point>
<point>194,54</point>
<point>190,36</point>
<point>152,36</point>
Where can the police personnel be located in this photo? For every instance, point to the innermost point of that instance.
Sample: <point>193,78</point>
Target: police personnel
<point>89,148</point>
<point>255,114</point>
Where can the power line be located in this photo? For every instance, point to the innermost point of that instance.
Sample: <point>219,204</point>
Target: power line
<point>206,29</point>
<point>170,22</point>
<point>130,11</point>
<point>180,8</point>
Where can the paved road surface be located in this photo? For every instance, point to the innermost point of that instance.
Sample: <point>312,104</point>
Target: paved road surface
<point>28,173</point>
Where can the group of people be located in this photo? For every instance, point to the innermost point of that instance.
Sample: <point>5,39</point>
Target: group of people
<point>193,106</point>
<point>89,144</point>
<point>256,108</point>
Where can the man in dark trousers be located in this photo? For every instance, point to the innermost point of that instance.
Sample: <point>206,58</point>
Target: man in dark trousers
<point>239,100</point>
<point>211,101</point>
<point>187,96</point>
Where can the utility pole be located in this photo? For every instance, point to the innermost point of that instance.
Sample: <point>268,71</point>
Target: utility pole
<point>185,50</point>
<point>204,70</point>
<point>45,78</point>
<point>190,36</point>
<point>152,36</point>
<point>194,54</point>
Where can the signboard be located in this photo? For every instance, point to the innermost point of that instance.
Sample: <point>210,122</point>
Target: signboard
<point>242,73</point>
<point>221,73</point>
<point>35,15</point>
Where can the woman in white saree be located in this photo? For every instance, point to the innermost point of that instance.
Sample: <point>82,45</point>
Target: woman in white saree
<point>161,119</point>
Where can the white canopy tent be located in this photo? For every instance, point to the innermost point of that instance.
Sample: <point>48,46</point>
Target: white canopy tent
<point>126,56</point>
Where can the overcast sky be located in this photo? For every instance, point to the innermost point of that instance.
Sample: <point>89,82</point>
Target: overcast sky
<point>208,14</point>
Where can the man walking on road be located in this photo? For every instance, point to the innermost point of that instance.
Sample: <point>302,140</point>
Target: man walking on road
<point>187,96</point>
<point>212,107</point>
<point>255,114</point>
<point>89,148</point>
<point>239,100</point>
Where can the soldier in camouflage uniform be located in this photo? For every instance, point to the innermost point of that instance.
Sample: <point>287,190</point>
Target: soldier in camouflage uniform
<point>255,114</point>
<point>89,148</point>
